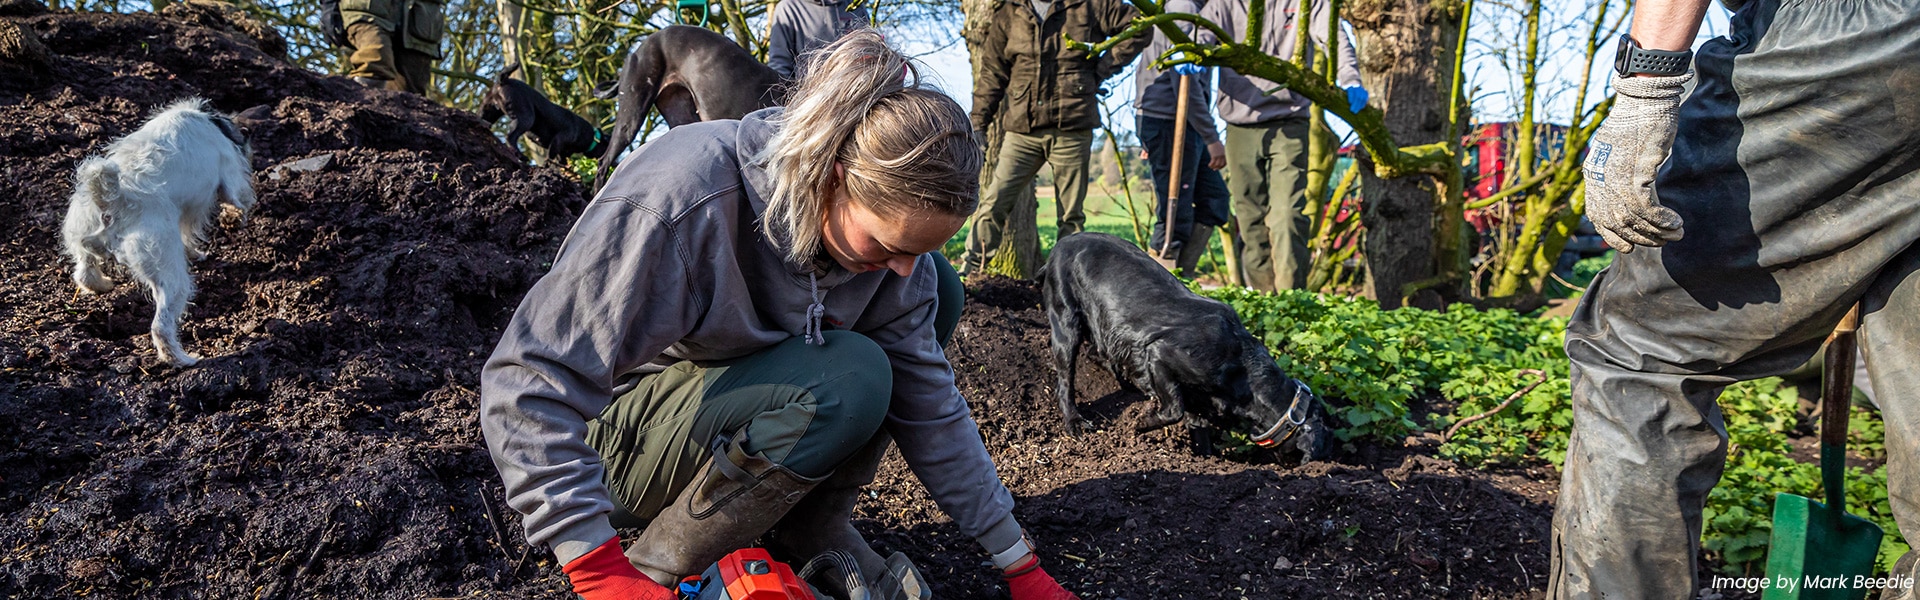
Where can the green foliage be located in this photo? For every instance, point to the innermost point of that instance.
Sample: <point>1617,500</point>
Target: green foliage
<point>1374,360</point>
<point>1739,521</point>
<point>1369,363</point>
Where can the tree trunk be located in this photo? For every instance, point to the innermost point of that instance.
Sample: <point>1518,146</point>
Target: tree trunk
<point>1406,52</point>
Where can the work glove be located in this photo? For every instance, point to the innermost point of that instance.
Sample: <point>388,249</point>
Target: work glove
<point>1185,68</point>
<point>1625,155</point>
<point>1356,98</point>
<point>1028,581</point>
<point>605,574</point>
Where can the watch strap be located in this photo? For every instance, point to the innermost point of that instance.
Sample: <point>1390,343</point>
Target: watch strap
<point>1636,60</point>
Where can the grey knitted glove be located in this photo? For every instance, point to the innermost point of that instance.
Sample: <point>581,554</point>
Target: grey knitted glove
<point>1625,155</point>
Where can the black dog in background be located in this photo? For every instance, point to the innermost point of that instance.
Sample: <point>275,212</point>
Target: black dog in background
<point>557,129</point>
<point>1191,354</point>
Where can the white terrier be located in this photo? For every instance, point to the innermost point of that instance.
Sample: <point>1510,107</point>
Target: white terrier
<point>146,205</point>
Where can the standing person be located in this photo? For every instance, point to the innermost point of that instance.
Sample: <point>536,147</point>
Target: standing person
<point>394,42</point>
<point>1267,140</point>
<point>1051,99</point>
<point>738,327</point>
<point>1203,196</point>
<point>1750,215</point>
<point>801,26</point>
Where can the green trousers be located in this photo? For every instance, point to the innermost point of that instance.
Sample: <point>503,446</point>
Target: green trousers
<point>1018,162</point>
<point>1267,166</point>
<point>805,407</point>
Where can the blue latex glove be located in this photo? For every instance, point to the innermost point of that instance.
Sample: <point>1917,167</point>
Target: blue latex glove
<point>1356,98</point>
<point>1186,68</point>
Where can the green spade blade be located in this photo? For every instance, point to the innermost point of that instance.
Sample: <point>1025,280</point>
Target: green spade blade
<point>1820,550</point>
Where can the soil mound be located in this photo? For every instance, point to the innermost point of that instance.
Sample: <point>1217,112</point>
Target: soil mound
<point>327,447</point>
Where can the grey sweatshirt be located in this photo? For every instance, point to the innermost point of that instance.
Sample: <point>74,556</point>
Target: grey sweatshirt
<point>667,264</point>
<point>1244,100</point>
<point>1159,91</point>
<point>801,26</point>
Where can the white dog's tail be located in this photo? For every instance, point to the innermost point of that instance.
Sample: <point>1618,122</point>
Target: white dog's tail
<point>99,178</point>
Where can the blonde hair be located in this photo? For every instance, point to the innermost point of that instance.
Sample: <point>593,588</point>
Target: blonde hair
<point>904,146</point>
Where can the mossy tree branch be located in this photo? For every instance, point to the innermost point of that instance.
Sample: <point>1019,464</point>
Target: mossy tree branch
<point>1390,159</point>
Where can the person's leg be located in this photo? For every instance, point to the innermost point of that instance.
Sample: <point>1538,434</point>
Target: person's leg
<point>1069,153</point>
<point>1156,138</point>
<point>1018,162</point>
<point>1210,198</point>
<point>1247,162</point>
<point>952,298</point>
<point>709,457</point>
<point>1287,223</point>
<point>1791,211</point>
<point>1209,209</point>
<point>1890,341</point>
<point>416,71</point>
<point>372,56</point>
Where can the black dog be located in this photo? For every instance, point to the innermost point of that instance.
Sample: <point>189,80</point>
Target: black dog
<point>557,129</point>
<point>693,75</point>
<point>1189,353</point>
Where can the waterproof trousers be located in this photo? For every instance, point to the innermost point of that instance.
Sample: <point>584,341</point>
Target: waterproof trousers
<point>1795,169</point>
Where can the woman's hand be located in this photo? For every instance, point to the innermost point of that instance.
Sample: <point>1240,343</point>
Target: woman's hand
<point>1027,581</point>
<point>605,574</point>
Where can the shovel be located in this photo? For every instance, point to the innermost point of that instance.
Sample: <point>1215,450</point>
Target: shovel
<point>1818,549</point>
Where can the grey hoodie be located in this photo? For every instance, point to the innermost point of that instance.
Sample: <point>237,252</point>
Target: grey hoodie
<point>1244,100</point>
<point>668,264</point>
<point>801,26</point>
<point>1159,91</point>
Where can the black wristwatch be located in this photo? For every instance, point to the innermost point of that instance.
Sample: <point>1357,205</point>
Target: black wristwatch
<point>1630,59</point>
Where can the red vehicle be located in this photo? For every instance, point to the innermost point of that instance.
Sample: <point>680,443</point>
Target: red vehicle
<point>1486,149</point>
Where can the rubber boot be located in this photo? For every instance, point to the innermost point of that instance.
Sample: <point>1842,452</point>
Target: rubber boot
<point>734,500</point>
<point>824,522</point>
<point>1196,246</point>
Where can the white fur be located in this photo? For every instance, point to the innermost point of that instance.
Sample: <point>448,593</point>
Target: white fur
<point>146,205</point>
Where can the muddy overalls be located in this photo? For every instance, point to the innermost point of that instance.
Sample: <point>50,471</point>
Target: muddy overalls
<point>1796,167</point>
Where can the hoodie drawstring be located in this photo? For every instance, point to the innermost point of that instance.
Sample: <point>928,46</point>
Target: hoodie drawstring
<point>815,312</point>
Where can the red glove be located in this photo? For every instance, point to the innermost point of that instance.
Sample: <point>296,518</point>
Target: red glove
<point>1029,582</point>
<point>605,574</point>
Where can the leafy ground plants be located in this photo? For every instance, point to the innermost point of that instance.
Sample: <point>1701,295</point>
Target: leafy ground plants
<point>1370,363</point>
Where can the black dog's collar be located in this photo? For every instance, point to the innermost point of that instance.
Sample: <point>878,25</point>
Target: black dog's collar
<point>1266,440</point>
<point>598,143</point>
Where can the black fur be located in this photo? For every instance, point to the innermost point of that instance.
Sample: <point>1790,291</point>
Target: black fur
<point>1191,354</point>
<point>557,129</point>
<point>692,75</point>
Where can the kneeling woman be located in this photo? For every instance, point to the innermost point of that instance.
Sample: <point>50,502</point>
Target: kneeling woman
<point>738,327</point>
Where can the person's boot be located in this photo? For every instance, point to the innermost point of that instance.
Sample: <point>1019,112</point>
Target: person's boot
<point>1197,240</point>
<point>371,82</point>
<point>824,522</point>
<point>733,501</point>
<point>1907,567</point>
